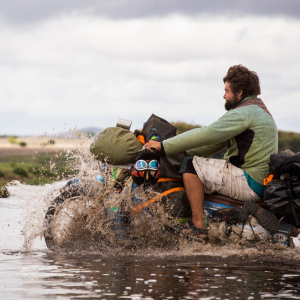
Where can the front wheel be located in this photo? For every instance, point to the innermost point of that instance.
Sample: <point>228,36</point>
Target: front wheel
<point>75,215</point>
<point>65,218</point>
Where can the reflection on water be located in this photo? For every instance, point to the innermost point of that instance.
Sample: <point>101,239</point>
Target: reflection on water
<point>40,275</point>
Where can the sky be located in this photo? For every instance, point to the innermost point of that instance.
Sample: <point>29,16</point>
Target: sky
<point>67,64</point>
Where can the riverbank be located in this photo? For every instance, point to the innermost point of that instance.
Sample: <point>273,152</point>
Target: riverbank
<point>40,160</point>
<point>9,146</point>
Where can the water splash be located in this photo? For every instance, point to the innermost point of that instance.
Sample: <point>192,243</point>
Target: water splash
<point>88,222</point>
<point>98,213</point>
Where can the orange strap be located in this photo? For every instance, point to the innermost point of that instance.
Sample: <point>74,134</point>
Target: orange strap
<point>268,179</point>
<point>164,179</point>
<point>141,139</point>
<point>140,207</point>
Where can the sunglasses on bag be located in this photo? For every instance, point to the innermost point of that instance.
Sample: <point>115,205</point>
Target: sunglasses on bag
<point>142,165</point>
<point>146,171</point>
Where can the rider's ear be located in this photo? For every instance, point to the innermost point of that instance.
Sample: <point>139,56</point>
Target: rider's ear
<point>239,94</point>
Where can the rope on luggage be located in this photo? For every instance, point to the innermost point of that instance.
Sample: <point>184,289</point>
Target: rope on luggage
<point>164,179</point>
<point>140,207</point>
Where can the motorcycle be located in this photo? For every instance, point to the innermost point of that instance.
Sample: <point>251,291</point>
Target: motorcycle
<point>119,207</point>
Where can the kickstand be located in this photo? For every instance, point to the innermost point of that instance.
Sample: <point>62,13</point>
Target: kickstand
<point>241,234</point>
<point>255,237</point>
<point>227,230</point>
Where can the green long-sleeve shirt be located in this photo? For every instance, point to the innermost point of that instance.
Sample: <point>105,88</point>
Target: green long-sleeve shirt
<point>248,132</point>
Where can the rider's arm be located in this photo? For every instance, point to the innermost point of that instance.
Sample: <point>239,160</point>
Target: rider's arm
<point>228,126</point>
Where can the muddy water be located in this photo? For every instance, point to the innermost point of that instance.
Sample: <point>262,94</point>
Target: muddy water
<point>28,270</point>
<point>40,275</point>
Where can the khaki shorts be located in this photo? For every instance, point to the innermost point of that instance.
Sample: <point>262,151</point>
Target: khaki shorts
<point>224,178</point>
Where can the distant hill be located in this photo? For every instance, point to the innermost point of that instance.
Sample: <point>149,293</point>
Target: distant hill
<point>92,131</point>
<point>89,131</point>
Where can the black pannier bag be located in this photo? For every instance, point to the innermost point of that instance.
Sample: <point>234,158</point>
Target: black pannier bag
<point>283,199</point>
<point>175,204</point>
<point>158,129</point>
<point>282,194</point>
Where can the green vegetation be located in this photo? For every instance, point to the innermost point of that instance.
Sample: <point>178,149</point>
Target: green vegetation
<point>39,181</point>
<point>50,142</point>
<point>37,169</point>
<point>182,127</point>
<point>12,139</point>
<point>288,140</point>
<point>20,171</point>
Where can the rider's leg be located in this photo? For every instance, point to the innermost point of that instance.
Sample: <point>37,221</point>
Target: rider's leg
<point>195,192</point>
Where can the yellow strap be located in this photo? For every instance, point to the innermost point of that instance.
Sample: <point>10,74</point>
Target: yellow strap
<point>140,207</point>
<point>268,179</point>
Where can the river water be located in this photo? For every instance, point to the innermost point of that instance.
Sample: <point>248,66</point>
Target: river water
<point>28,270</point>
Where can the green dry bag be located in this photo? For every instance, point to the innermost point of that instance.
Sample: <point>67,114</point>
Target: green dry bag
<point>116,146</point>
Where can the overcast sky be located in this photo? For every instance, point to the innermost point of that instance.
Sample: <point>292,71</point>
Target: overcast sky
<point>75,63</point>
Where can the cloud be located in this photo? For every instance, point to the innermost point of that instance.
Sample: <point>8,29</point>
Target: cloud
<point>79,68</point>
<point>20,12</point>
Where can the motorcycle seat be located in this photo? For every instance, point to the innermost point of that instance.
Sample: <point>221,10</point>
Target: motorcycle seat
<point>218,198</point>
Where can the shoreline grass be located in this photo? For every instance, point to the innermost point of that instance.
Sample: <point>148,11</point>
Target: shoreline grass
<point>38,169</point>
<point>36,163</point>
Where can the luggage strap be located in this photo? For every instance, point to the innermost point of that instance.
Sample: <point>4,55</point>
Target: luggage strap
<point>140,207</point>
<point>141,139</point>
<point>164,179</point>
<point>268,179</point>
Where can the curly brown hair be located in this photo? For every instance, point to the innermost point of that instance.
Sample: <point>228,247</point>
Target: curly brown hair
<point>242,79</point>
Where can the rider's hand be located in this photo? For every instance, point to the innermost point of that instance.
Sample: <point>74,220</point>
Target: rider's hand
<point>153,146</point>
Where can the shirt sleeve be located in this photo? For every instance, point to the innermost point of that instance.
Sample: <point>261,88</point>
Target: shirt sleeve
<point>229,125</point>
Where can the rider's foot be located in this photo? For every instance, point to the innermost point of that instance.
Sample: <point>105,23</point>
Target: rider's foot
<point>189,230</point>
<point>233,216</point>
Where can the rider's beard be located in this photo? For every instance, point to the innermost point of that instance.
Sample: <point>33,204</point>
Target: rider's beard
<point>229,104</point>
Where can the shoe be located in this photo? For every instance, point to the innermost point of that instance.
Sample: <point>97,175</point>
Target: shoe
<point>233,216</point>
<point>265,217</point>
<point>188,230</point>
